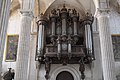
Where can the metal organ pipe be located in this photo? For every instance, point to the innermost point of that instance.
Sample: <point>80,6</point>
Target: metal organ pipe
<point>69,48</point>
<point>89,38</point>
<point>69,44</point>
<point>53,26</point>
<point>63,24</point>
<point>42,46</point>
<point>75,25</point>
<point>86,36</point>
<point>92,41</point>
<point>41,22</point>
<point>58,47</point>
<point>89,34</point>
<point>41,38</point>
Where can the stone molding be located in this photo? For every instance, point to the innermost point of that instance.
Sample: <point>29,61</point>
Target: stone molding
<point>70,69</point>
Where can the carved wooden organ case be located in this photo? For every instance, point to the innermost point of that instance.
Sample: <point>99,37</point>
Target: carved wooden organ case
<point>64,38</point>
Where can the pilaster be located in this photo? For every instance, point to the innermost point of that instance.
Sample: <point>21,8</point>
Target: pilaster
<point>108,63</point>
<point>103,3</point>
<point>97,65</point>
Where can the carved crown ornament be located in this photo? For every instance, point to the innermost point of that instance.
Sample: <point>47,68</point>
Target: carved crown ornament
<point>64,38</point>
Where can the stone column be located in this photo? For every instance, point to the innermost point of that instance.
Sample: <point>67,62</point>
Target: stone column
<point>4,17</point>
<point>97,65</point>
<point>22,62</point>
<point>108,63</point>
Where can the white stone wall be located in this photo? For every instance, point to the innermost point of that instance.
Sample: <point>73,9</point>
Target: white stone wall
<point>114,22</point>
<point>115,29</point>
<point>13,29</point>
<point>14,23</point>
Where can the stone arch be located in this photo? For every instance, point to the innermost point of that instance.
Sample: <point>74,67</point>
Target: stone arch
<point>96,3</point>
<point>69,69</point>
<point>14,6</point>
<point>59,4</point>
<point>80,6</point>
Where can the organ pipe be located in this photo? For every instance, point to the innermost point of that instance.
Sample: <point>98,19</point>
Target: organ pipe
<point>41,22</point>
<point>53,26</point>
<point>75,25</point>
<point>63,26</point>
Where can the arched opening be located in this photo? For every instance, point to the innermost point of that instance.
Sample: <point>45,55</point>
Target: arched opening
<point>64,75</point>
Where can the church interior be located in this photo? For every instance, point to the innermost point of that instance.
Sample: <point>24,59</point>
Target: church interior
<point>60,39</point>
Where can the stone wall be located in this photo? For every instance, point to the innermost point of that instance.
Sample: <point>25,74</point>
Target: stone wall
<point>13,29</point>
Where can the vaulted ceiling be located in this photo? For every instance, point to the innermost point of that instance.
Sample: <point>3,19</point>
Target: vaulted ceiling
<point>45,6</point>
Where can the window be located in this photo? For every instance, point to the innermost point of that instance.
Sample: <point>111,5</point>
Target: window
<point>116,47</point>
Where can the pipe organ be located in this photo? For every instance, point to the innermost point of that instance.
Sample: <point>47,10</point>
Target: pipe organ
<point>65,38</point>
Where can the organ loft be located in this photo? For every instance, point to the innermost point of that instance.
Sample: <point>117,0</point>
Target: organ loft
<point>65,38</point>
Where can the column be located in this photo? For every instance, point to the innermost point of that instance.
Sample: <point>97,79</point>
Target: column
<point>108,63</point>
<point>22,62</point>
<point>4,17</point>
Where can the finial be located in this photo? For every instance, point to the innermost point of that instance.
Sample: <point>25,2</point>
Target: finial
<point>41,14</point>
<point>64,4</point>
<point>64,9</point>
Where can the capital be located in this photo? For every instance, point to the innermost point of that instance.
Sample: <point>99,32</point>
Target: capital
<point>27,13</point>
<point>102,12</point>
<point>41,19</point>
